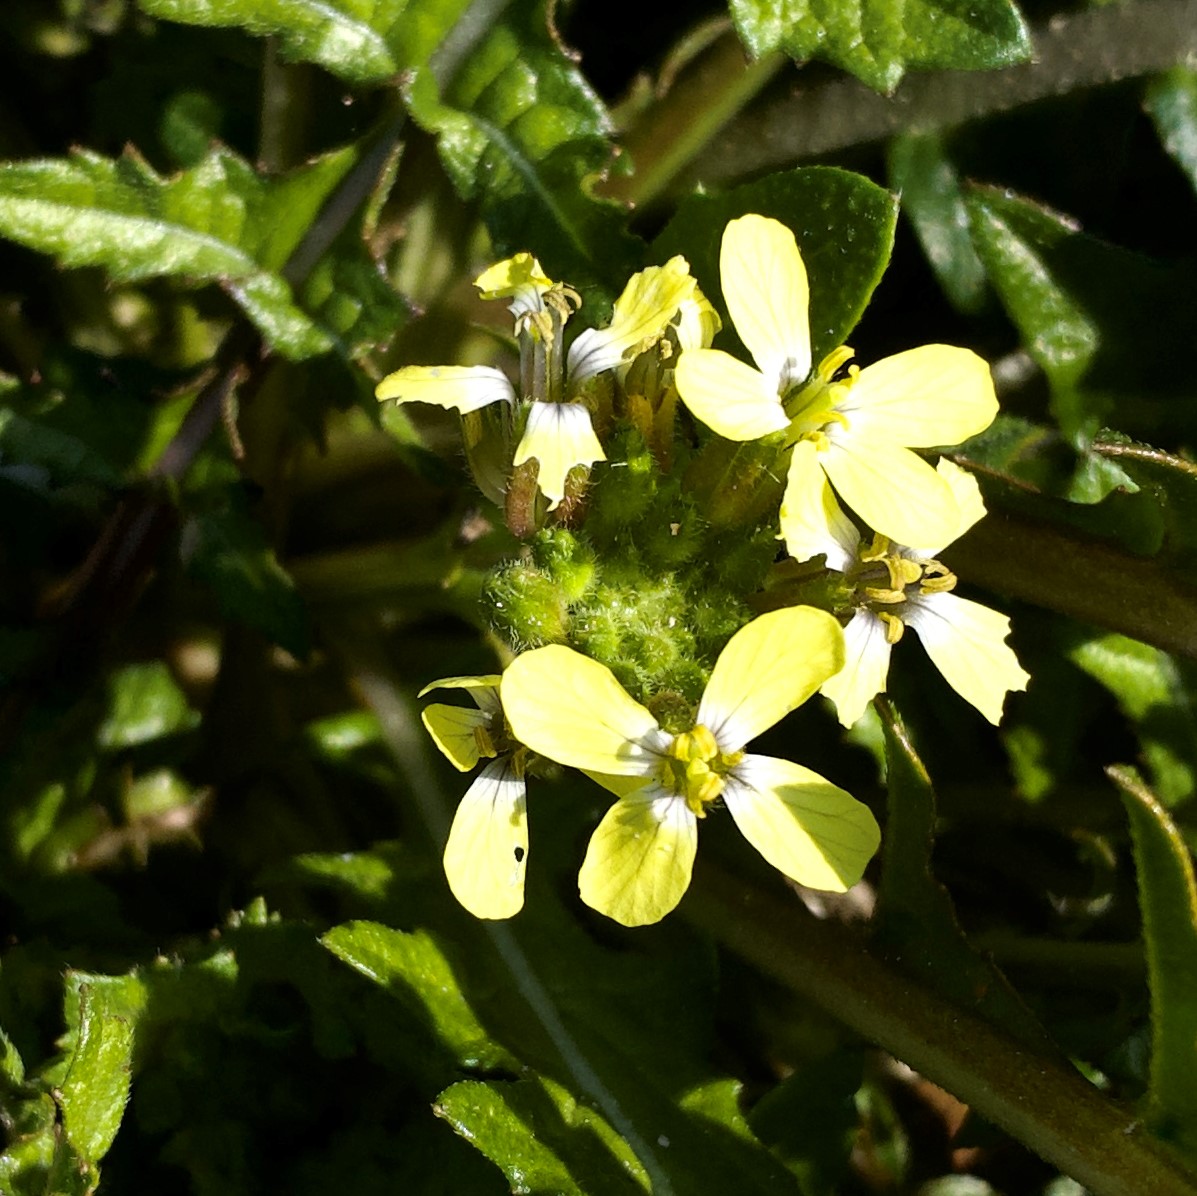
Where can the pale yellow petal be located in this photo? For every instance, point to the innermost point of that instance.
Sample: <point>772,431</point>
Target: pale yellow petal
<point>967,494</point>
<point>570,708</point>
<point>559,436</point>
<point>894,491</point>
<point>812,522</point>
<point>620,786</point>
<point>866,664</point>
<point>452,729</point>
<point>769,667</point>
<point>454,387</point>
<point>807,828</point>
<point>484,690</point>
<point>967,644</point>
<point>767,296</point>
<point>649,301</point>
<point>936,394</point>
<point>520,279</point>
<point>738,402</point>
<point>487,850</point>
<point>638,864</point>
<point>697,322</point>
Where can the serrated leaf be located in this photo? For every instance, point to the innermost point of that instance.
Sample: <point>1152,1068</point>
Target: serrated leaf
<point>878,39</point>
<point>102,1013</point>
<point>361,41</point>
<point>1155,692</point>
<point>916,923</point>
<point>226,548</point>
<point>218,222</point>
<point>1103,323</point>
<point>1168,904</point>
<point>1171,102</point>
<point>921,172</point>
<point>351,296</point>
<point>541,1138</point>
<point>844,226</point>
<point>522,131</point>
<point>412,968</point>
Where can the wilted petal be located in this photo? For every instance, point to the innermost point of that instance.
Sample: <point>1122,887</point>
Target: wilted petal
<point>649,301</point>
<point>638,864</point>
<point>769,667</point>
<point>520,279</point>
<point>452,729</point>
<point>806,827</point>
<point>455,387</point>
<point>812,522</point>
<point>732,398</point>
<point>559,436</point>
<point>768,296</point>
<point>697,322</point>
<point>936,394</point>
<point>967,644</point>
<point>894,491</point>
<point>571,709</point>
<point>487,850</point>
<point>866,664</point>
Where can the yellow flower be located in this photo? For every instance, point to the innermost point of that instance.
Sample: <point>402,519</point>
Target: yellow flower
<point>558,434</point>
<point>571,709</point>
<point>487,850</point>
<point>860,427</point>
<point>900,587</point>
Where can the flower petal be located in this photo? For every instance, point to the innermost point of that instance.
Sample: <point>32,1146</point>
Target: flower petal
<point>769,667</point>
<point>487,850</point>
<point>967,494</point>
<point>649,301</point>
<point>697,322</point>
<point>452,730</point>
<point>571,709</point>
<point>455,387</point>
<point>732,398</point>
<point>559,436</point>
<point>895,492</point>
<point>806,827</point>
<point>866,663</point>
<point>520,279</point>
<point>812,522</point>
<point>966,643</point>
<point>768,296</point>
<point>638,864</point>
<point>484,690</point>
<point>936,394</point>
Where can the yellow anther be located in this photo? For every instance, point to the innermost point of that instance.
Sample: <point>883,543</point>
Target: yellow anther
<point>878,550</point>
<point>903,571</point>
<point>894,627</point>
<point>695,769</point>
<point>876,594</point>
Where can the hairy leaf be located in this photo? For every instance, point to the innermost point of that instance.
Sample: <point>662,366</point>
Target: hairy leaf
<point>878,39</point>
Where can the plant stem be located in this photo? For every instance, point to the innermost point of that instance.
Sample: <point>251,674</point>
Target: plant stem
<point>1043,1104</point>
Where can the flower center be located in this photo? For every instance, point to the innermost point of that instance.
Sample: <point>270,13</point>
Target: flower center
<point>695,769</point>
<point>886,580</point>
<point>813,408</point>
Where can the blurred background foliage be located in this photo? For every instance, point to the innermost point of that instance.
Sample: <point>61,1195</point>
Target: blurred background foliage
<point>230,960</point>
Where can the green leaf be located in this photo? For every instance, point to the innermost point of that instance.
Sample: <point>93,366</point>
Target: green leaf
<point>218,222</point>
<point>1102,323</point>
<point>844,226</point>
<point>102,1013</point>
<point>144,703</point>
<point>227,549</point>
<point>541,1138</point>
<point>412,968</point>
<point>878,39</point>
<point>1171,102</point>
<point>1155,692</point>
<point>522,131</point>
<point>916,924</point>
<point>1168,904</point>
<point>923,174</point>
<point>361,41</point>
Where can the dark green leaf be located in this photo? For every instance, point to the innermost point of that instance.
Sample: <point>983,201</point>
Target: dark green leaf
<point>1168,904</point>
<point>218,222</point>
<point>368,42</point>
<point>541,1138</point>
<point>921,172</point>
<point>878,39</point>
<point>844,226</point>
<point>1172,104</point>
<point>521,131</point>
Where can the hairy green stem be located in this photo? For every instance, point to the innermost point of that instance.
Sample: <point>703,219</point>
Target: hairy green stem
<point>1095,46</point>
<point>1043,1104</point>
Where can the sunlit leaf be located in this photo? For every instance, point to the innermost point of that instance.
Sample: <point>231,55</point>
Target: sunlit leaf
<point>878,39</point>
<point>1172,104</point>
